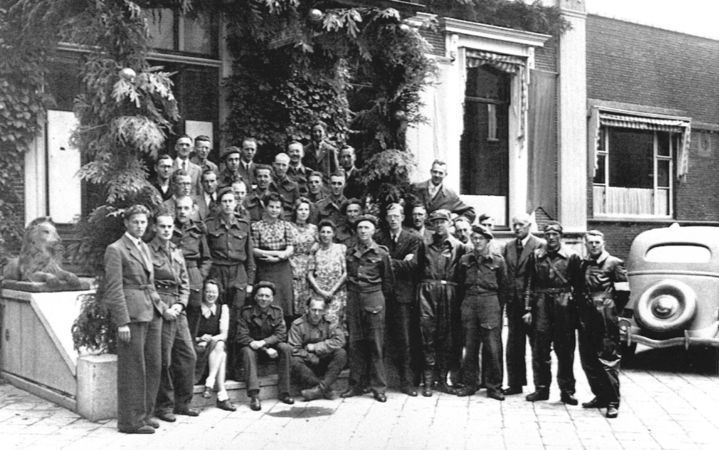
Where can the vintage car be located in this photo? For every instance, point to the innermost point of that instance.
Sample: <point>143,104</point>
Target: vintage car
<point>674,289</point>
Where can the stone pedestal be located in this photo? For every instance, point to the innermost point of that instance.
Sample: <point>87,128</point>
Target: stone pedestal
<point>97,386</point>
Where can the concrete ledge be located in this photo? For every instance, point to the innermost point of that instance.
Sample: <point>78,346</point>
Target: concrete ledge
<point>97,386</point>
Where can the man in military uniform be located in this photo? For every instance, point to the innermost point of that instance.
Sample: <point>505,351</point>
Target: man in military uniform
<point>231,173</point>
<point>330,207</point>
<point>255,201</point>
<point>203,147</point>
<point>369,281</point>
<point>190,236</point>
<point>178,350</point>
<point>403,245</point>
<point>552,272</point>
<point>516,255</point>
<point>317,351</point>
<point>346,230</point>
<point>315,187</point>
<point>233,263</point>
<point>598,329</point>
<point>482,285</point>
<point>261,332</point>
<point>438,304</point>
<point>289,190</point>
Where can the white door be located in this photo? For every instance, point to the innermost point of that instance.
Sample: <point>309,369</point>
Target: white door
<point>63,162</point>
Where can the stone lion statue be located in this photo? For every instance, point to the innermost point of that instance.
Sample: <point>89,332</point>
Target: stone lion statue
<point>39,259</point>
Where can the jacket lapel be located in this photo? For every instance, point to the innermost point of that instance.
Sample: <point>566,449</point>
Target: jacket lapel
<point>135,253</point>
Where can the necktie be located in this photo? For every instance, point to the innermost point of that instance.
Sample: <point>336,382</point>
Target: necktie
<point>184,166</point>
<point>519,246</point>
<point>145,254</point>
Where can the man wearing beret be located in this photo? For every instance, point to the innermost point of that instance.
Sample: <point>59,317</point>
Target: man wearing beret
<point>437,262</point>
<point>598,329</point>
<point>482,285</point>
<point>231,157</point>
<point>261,332</point>
<point>550,309</point>
<point>369,282</point>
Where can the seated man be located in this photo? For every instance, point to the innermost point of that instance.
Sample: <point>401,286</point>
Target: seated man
<point>317,352</point>
<point>261,330</point>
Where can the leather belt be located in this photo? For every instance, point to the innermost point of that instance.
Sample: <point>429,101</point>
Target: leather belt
<point>444,282</point>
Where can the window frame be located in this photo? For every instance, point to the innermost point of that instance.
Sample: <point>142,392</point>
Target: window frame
<point>603,153</point>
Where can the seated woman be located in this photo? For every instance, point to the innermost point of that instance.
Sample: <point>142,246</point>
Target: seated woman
<point>210,344</point>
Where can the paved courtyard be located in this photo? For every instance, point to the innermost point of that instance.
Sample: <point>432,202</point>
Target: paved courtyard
<point>668,402</point>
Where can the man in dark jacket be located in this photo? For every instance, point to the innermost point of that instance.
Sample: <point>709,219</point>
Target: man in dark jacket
<point>317,352</point>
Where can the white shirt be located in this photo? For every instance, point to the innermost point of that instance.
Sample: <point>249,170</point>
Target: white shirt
<point>433,190</point>
<point>183,164</point>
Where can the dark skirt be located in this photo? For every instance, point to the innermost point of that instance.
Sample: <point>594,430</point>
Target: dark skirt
<point>279,273</point>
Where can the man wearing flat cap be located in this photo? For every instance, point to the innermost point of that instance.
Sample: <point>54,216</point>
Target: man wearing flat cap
<point>482,286</point>
<point>369,282</point>
<point>231,157</point>
<point>262,333</point>
<point>552,273</point>
<point>437,262</point>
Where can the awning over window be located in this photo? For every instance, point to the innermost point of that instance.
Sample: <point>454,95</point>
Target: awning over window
<point>599,118</point>
<point>508,64</point>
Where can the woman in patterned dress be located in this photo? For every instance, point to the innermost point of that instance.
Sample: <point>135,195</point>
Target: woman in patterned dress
<point>273,241</point>
<point>300,259</point>
<point>327,272</point>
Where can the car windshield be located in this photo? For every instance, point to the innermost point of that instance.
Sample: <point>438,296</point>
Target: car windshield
<point>679,253</point>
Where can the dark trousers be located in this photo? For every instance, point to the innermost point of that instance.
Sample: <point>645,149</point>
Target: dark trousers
<point>400,322</point>
<point>599,348</point>
<point>482,324</point>
<point>328,367</point>
<point>517,334</point>
<point>366,342</point>
<point>138,373</point>
<point>178,365</point>
<point>440,327</point>
<point>249,361</point>
<point>554,324</point>
<point>195,300</point>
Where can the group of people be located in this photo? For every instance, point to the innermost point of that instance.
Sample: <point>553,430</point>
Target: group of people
<point>242,252</point>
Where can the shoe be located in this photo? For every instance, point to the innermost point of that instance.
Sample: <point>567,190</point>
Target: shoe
<point>409,390</point>
<point>569,399</point>
<point>186,411</point>
<point>152,422</point>
<point>539,394</point>
<point>351,392</point>
<point>285,397</point>
<point>330,394</point>
<point>497,395</point>
<point>612,412</point>
<point>226,405</point>
<point>465,391</point>
<point>207,393</point>
<point>594,403</point>
<point>512,390</point>
<point>144,429</point>
<point>379,396</point>
<point>445,388</point>
<point>311,394</point>
<point>255,404</point>
<point>167,416</point>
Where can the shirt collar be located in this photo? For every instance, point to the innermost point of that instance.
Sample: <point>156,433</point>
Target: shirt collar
<point>525,241</point>
<point>133,239</point>
<point>207,311</point>
<point>601,258</point>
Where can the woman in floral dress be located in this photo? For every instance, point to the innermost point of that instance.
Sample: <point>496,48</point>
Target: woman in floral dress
<point>300,259</point>
<point>327,272</point>
<point>273,241</point>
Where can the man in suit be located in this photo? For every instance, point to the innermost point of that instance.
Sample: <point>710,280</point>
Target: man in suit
<point>403,245</point>
<point>348,158</point>
<point>183,146</point>
<point>181,187</point>
<point>137,311</point>
<point>207,200</point>
<point>320,155</point>
<point>163,174</point>
<point>419,222</point>
<point>435,195</point>
<point>246,167</point>
<point>516,254</point>
<point>178,350</point>
<point>203,147</point>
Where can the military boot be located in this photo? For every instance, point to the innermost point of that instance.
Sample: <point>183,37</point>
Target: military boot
<point>428,380</point>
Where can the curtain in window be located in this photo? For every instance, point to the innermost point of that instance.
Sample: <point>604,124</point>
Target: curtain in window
<point>542,142</point>
<point>508,64</point>
<point>600,118</point>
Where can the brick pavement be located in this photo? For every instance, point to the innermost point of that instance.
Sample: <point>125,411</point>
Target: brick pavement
<point>662,407</point>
